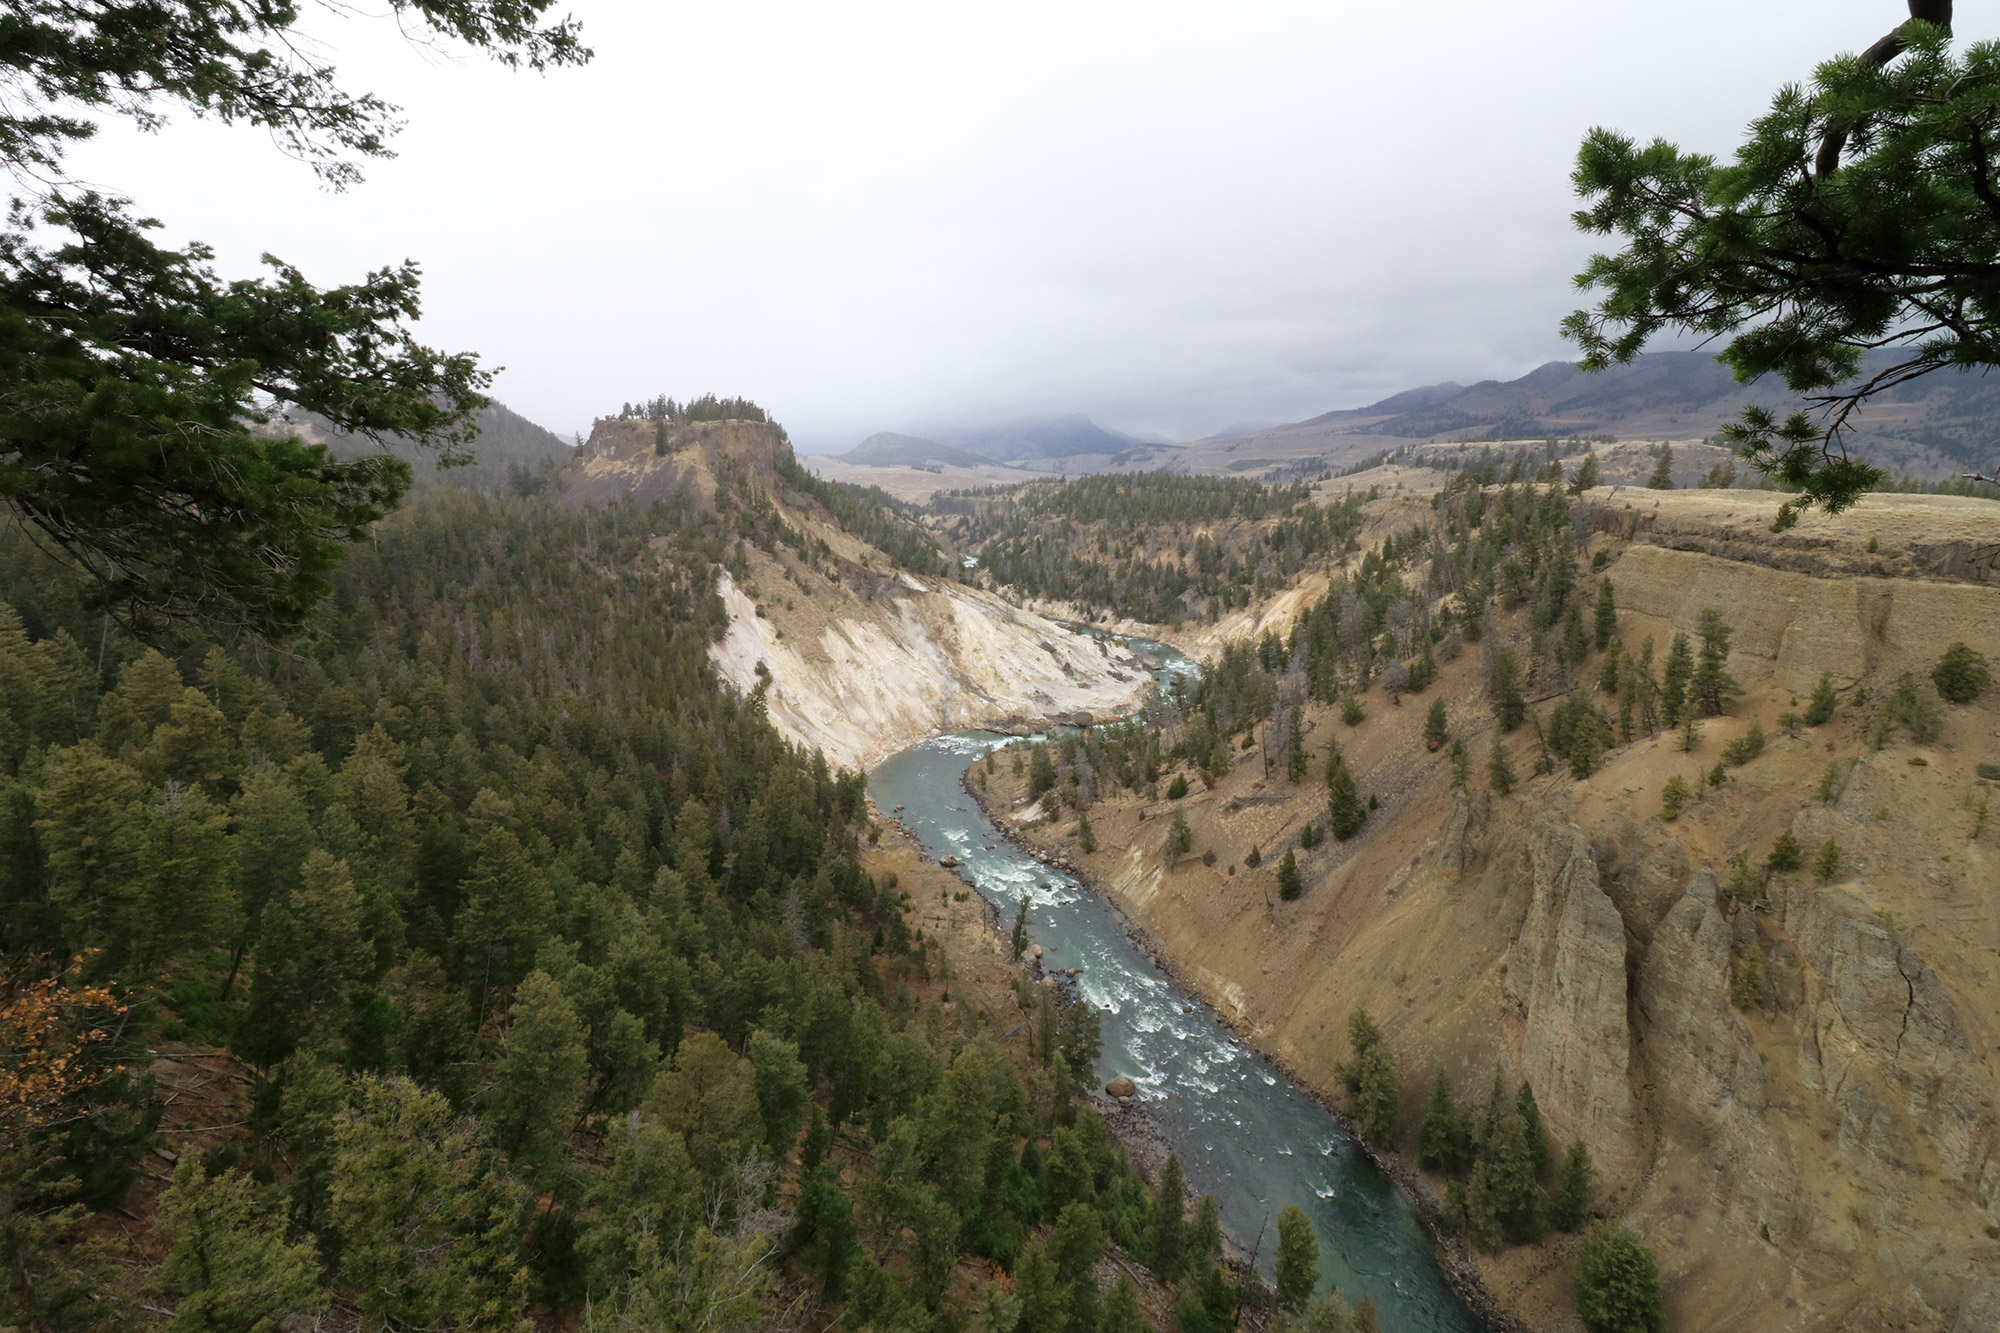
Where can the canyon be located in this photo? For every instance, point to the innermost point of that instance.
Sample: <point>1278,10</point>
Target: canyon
<point>1826,1158</point>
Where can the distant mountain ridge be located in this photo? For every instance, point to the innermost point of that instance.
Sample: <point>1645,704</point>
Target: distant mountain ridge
<point>505,438</point>
<point>1035,438</point>
<point>1932,426</point>
<point>888,449</point>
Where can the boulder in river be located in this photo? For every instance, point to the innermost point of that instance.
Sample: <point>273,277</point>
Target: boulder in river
<point>948,862</point>
<point>1122,1088</point>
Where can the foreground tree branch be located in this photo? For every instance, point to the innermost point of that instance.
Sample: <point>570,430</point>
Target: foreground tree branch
<point>137,387</point>
<point>1892,44</point>
<point>1802,268</point>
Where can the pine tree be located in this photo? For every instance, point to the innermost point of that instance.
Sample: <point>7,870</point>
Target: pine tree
<point>1819,710</point>
<point>310,955</point>
<point>1435,725</point>
<point>88,831</point>
<point>1041,771</point>
<point>1018,940</point>
<point>1178,787</point>
<point>1575,642</point>
<point>1607,615</point>
<point>1961,674</point>
<point>1712,688</point>
<point>503,916</point>
<point>1345,813</point>
<point>1207,1302</point>
<point>784,1090</point>
<point>1121,1313</point>
<point>540,1080</point>
<point>1612,672</point>
<point>1586,743</point>
<point>694,848</point>
<point>273,835</point>
<point>1827,865</point>
<point>1180,838</point>
<point>1377,1100</point>
<point>1044,1308</point>
<point>710,1095</point>
<point>1440,1144</point>
<point>1509,708</point>
<point>649,1187</point>
<point>1663,471</point>
<point>1297,761</point>
<point>1570,1204</point>
<point>1290,883</point>
<point>1510,1179</point>
<point>1531,1125</point>
<point>193,746</point>
<point>1500,766</point>
<point>148,687</point>
<point>183,895</point>
<point>1786,854</point>
<point>455,1261</point>
<point>1482,1206</point>
<point>1204,1238</point>
<point>1746,989</point>
<point>1364,1316</point>
<point>1461,766</point>
<point>823,1233</point>
<point>1586,475</point>
<point>1674,683</point>
<point>1169,1222</point>
<point>1077,1242</point>
<point>230,1264</point>
<point>1618,1283</point>
<point>1297,1267</point>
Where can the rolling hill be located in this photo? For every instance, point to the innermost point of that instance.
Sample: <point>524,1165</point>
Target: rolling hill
<point>888,449</point>
<point>1933,427</point>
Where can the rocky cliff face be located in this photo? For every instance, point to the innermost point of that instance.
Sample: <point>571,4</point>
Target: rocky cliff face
<point>1566,981</point>
<point>650,461</point>
<point>1854,627</point>
<point>864,679</point>
<point>1696,1044</point>
<point>856,657</point>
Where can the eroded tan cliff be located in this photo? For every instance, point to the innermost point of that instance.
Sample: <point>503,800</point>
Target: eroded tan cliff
<point>1826,1159</point>
<point>855,657</point>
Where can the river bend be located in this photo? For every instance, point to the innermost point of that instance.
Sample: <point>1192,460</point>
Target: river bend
<point>1244,1132</point>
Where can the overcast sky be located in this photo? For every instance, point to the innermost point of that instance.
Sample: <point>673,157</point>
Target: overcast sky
<point>872,216</point>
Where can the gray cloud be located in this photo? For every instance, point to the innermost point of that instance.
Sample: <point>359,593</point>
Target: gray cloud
<point>899,216</point>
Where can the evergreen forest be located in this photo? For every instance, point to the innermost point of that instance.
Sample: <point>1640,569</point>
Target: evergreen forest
<point>552,972</point>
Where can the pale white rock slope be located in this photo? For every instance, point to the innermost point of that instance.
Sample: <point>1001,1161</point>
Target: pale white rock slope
<point>920,657</point>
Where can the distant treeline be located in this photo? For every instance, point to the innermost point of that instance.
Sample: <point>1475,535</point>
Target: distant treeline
<point>1154,547</point>
<point>872,514</point>
<point>708,407</point>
